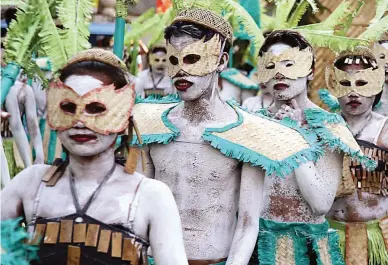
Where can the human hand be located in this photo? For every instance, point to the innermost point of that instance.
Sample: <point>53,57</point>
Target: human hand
<point>293,112</point>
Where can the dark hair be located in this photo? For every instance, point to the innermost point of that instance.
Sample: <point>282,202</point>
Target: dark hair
<point>340,63</point>
<point>117,76</point>
<point>289,37</point>
<point>194,30</point>
<point>9,15</point>
<point>158,49</point>
<point>377,99</point>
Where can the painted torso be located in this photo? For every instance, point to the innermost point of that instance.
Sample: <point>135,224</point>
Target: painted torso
<point>205,184</point>
<point>370,206</point>
<point>145,86</point>
<point>257,103</point>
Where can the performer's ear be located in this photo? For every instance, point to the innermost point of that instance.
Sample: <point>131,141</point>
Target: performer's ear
<point>223,62</point>
<point>310,77</point>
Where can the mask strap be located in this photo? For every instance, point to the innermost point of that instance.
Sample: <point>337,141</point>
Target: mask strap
<point>221,52</point>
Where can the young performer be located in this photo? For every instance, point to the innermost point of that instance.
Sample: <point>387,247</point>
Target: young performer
<point>361,213</point>
<point>380,49</point>
<point>293,222</point>
<point>89,209</point>
<point>154,80</point>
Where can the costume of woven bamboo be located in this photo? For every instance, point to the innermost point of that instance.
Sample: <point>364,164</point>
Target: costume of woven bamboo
<point>98,55</point>
<point>208,19</point>
<point>363,243</point>
<point>289,244</point>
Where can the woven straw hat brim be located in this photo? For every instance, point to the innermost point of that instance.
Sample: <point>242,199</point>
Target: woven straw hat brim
<point>207,19</point>
<point>98,55</point>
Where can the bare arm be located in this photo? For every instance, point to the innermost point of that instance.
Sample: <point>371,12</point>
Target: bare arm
<point>383,137</point>
<point>319,183</point>
<point>139,87</point>
<point>250,206</point>
<point>16,125</point>
<point>32,125</point>
<point>5,177</point>
<point>230,91</point>
<point>165,229</point>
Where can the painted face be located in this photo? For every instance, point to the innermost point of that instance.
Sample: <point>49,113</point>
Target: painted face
<point>355,77</point>
<point>285,70</point>
<point>354,103</point>
<point>88,115</point>
<point>381,53</point>
<point>187,63</point>
<point>158,62</point>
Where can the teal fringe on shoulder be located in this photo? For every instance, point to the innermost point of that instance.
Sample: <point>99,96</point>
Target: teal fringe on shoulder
<point>243,154</point>
<point>159,138</point>
<point>228,76</point>
<point>14,250</point>
<point>157,99</point>
<point>316,119</point>
<point>329,100</point>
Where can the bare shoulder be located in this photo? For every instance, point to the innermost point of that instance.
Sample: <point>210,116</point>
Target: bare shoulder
<point>250,101</point>
<point>383,137</point>
<point>154,189</point>
<point>27,181</point>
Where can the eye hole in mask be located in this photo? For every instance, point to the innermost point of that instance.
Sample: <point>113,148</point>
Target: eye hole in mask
<point>164,60</point>
<point>191,59</point>
<point>95,108</point>
<point>289,63</point>
<point>174,60</point>
<point>157,60</point>
<point>382,56</point>
<point>68,107</point>
<point>270,65</point>
<point>345,83</point>
<point>361,82</point>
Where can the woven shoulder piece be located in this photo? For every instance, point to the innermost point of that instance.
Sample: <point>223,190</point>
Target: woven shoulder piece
<point>279,147</point>
<point>98,55</point>
<point>151,119</point>
<point>236,78</point>
<point>334,132</point>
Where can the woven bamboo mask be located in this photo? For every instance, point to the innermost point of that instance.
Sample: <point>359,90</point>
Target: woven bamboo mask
<point>157,60</point>
<point>270,64</point>
<point>381,54</point>
<point>367,83</point>
<point>104,110</point>
<point>199,58</point>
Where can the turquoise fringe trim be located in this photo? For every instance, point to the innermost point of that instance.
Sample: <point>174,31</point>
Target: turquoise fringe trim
<point>266,247</point>
<point>52,147</point>
<point>157,99</point>
<point>13,246</point>
<point>243,154</point>
<point>335,249</point>
<point>329,100</point>
<point>316,118</point>
<point>378,105</point>
<point>228,76</point>
<point>159,138</point>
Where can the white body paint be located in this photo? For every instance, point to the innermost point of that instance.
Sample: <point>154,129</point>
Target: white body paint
<point>5,177</point>
<point>156,219</point>
<point>205,183</point>
<point>144,82</point>
<point>254,104</point>
<point>233,92</point>
<point>308,193</point>
<point>371,127</point>
<point>21,100</point>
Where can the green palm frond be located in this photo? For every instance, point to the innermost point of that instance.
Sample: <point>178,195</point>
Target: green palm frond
<point>144,17</point>
<point>267,22</point>
<point>32,70</point>
<point>141,29</point>
<point>75,16</point>
<point>376,30</point>
<point>283,10</point>
<point>11,2</point>
<point>313,5</point>
<point>51,41</point>
<point>158,32</point>
<point>22,33</point>
<point>381,8</point>
<point>247,22</point>
<point>336,43</point>
<point>296,16</point>
<point>343,27</point>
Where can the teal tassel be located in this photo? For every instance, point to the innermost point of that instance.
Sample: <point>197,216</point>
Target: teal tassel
<point>228,76</point>
<point>378,105</point>
<point>52,147</point>
<point>335,249</point>
<point>8,77</point>
<point>329,100</point>
<point>157,99</point>
<point>14,250</point>
<point>266,248</point>
<point>316,119</point>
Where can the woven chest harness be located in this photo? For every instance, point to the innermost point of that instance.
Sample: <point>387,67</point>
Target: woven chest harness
<point>79,239</point>
<point>376,181</point>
